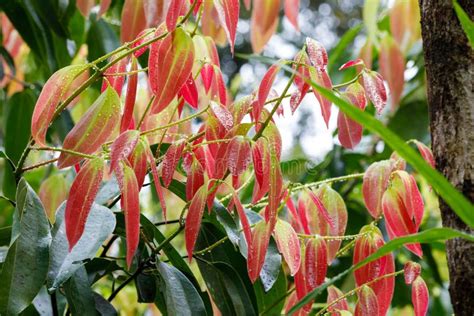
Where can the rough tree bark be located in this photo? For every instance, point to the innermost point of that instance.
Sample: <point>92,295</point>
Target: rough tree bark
<point>449,64</point>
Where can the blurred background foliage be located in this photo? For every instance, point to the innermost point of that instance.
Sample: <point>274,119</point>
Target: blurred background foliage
<point>57,34</point>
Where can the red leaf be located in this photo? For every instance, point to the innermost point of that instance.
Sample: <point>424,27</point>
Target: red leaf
<point>104,6</point>
<point>350,132</point>
<point>131,208</point>
<point>321,209</point>
<point>375,89</point>
<point>112,80</point>
<point>262,165</point>
<point>170,64</point>
<point>288,244</point>
<point>53,92</point>
<point>156,180</point>
<point>300,80</point>
<point>375,183</point>
<point>189,92</point>
<point>122,147</point>
<point>392,67</point>
<point>405,22</point>
<point>238,153</point>
<point>302,213</point>
<point>207,74</point>
<point>264,89</point>
<point>133,13</point>
<point>138,161</point>
<point>144,39</point>
<point>367,303</point>
<point>174,11</point>
<point>243,219</point>
<point>85,6</point>
<point>315,263</point>
<point>223,115</point>
<point>264,22</point>
<point>403,208</point>
<point>337,211</point>
<point>257,250</point>
<point>292,8</point>
<point>195,179</point>
<point>193,219</point>
<point>317,53</point>
<point>352,63</point>
<point>321,77</point>
<point>53,191</point>
<point>275,187</point>
<point>333,294</point>
<point>127,116</point>
<point>81,196</point>
<point>228,11</point>
<point>170,161</point>
<point>419,296</point>
<point>411,271</point>
<point>425,153</point>
<point>94,128</point>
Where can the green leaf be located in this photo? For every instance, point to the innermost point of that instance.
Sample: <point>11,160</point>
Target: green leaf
<point>5,234</point>
<point>341,47</point>
<point>9,183</point>
<point>180,295</point>
<point>146,288</point>
<point>99,225</point>
<point>466,23</point>
<point>26,265</point>
<point>370,18</point>
<point>427,236</point>
<point>79,294</point>
<point>271,302</point>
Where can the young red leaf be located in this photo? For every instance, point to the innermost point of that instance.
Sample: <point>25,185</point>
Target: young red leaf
<point>104,6</point>
<point>317,53</point>
<point>264,89</point>
<point>228,11</point>
<point>131,208</point>
<point>337,211</point>
<point>374,184</point>
<point>145,38</point>
<point>53,92</point>
<point>238,153</point>
<point>292,7</point>
<point>411,271</point>
<point>300,79</point>
<point>315,263</point>
<point>122,147</point>
<point>350,132</point>
<point>405,23</point>
<point>264,22</point>
<point>352,63</point>
<point>262,165</point>
<point>220,85</point>
<point>275,186</point>
<point>195,178</point>
<point>288,244</point>
<point>189,92</point>
<point>207,75</point>
<point>133,13</point>
<point>257,250</point>
<point>53,191</point>
<point>81,196</point>
<point>403,208</point>
<point>94,128</point>
<point>375,89</point>
<point>333,294</point>
<point>170,64</point>
<point>419,296</point>
<point>223,115</point>
<point>85,6</point>
<point>156,180</point>
<point>392,67</point>
<point>193,219</point>
<point>302,211</point>
<point>321,77</point>
<point>111,79</point>
<point>170,161</point>
<point>127,116</point>
<point>174,11</point>
<point>138,161</point>
<point>321,209</point>
<point>425,153</point>
<point>243,218</point>
<point>367,303</point>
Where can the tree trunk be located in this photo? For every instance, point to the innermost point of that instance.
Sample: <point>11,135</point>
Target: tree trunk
<point>449,64</point>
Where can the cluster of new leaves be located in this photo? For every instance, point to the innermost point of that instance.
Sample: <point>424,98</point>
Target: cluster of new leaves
<point>234,140</point>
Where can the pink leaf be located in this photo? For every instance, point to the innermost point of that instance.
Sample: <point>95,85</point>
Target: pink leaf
<point>195,179</point>
<point>264,22</point>
<point>352,63</point>
<point>392,67</point>
<point>321,77</point>
<point>243,218</point>
<point>170,161</point>
<point>411,271</point>
<point>174,11</point>
<point>257,250</point>
<point>375,183</point>
<point>265,87</point>
<point>132,84</point>
<point>350,132</point>
<point>122,147</point>
<point>425,153</point>
<point>112,80</point>
<point>367,303</point>
<point>228,11</point>
<point>419,296</point>
<point>333,294</point>
<point>189,92</point>
<point>81,196</point>
<point>138,161</point>
<point>133,13</point>
<point>321,209</point>
<point>315,263</point>
<point>193,219</point>
<point>156,180</point>
<point>223,115</point>
<point>288,244</point>
<point>375,89</point>
<point>292,8</point>
<point>104,6</point>
<point>238,154</point>
<point>207,74</point>
<point>317,53</point>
